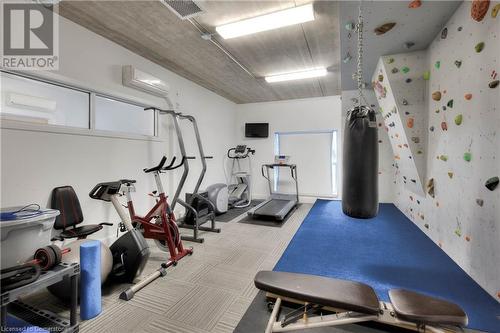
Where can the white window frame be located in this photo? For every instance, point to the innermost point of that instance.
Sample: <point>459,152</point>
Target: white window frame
<point>334,149</point>
<point>91,130</point>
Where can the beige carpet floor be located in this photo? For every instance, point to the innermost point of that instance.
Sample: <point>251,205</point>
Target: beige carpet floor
<point>206,292</point>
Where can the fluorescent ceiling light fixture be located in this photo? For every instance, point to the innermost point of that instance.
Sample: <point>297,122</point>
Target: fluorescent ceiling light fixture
<point>266,22</point>
<point>317,72</point>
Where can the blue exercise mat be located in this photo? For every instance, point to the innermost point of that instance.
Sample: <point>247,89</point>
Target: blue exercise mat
<point>385,252</point>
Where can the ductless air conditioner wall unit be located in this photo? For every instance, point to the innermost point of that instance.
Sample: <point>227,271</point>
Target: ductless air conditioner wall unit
<point>137,79</point>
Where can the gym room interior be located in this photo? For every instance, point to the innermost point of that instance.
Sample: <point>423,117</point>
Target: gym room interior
<point>196,166</point>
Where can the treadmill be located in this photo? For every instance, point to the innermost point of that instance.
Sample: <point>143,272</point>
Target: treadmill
<point>278,205</point>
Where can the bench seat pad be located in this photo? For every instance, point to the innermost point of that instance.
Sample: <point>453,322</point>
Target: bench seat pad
<point>339,294</point>
<point>424,309</point>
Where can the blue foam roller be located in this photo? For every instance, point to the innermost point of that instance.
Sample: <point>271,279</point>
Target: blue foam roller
<point>90,280</point>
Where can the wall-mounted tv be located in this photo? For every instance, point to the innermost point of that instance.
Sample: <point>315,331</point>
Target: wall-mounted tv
<point>257,130</point>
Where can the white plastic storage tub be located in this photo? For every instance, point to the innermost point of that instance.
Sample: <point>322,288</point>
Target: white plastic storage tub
<point>20,237</point>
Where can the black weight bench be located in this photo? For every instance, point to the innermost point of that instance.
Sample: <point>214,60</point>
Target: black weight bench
<point>353,302</point>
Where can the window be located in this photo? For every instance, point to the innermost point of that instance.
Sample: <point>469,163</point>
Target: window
<point>113,115</point>
<point>37,102</point>
<point>43,103</point>
<point>315,154</point>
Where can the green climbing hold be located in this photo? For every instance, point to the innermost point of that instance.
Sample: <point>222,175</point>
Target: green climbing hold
<point>458,232</point>
<point>458,119</point>
<point>405,69</point>
<point>467,156</point>
<point>443,158</point>
<point>450,103</point>
<point>427,75</point>
<point>479,47</point>
<point>492,183</point>
<point>437,64</point>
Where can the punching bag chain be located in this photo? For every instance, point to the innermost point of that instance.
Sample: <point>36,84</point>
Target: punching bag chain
<point>359,71</point>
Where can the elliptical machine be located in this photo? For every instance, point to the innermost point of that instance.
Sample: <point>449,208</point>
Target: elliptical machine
<point>239,194</point>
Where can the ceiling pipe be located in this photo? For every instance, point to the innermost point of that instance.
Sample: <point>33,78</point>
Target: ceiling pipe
<point>210,37</point>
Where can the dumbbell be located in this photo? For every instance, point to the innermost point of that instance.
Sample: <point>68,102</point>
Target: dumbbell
<point>48,256</point>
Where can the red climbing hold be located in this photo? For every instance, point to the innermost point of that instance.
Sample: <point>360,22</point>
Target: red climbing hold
<point>444,126</point>
<point>479,9</point>
<point>415,4</point>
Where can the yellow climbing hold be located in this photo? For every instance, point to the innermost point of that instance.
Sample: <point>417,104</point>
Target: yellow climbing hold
<point>495,10</point>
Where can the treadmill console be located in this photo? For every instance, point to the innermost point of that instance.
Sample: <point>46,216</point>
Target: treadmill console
<point>240,149</point>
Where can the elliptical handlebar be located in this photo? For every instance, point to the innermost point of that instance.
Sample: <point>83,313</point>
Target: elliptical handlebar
<point>238,155</point>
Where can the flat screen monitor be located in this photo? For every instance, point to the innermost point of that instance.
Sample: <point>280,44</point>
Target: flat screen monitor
<point>256,130</point>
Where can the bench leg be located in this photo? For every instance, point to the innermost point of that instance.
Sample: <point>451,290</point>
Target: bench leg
<point>274,315</point>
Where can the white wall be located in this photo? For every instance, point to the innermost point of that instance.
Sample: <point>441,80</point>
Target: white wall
<point>32,163</point>
<point>291,115</point>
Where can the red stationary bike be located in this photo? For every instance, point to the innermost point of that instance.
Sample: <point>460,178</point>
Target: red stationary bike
<point>158,224</point>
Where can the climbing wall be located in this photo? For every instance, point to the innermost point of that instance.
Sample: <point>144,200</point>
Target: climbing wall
<point>400,89</point>
<point>460,207</point>
<point>385,164</point>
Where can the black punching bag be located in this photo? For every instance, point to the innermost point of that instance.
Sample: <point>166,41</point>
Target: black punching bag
<point>360,164</point>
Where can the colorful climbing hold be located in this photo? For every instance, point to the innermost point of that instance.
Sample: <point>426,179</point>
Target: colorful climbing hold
<point>405,69</point>
<point>415,4</point>
<point>427,75</point>
<point>493,84</point>
<point>444,33</point>
<point>380,77</point>
<point>492,183</point>
<point>384,28</point>
<point>409,123</point>
<point>436,96</point>
<point>404,102</point>
<point>390,60</point>
<point>495,10</point>
<point>444,126</point>
<point>458,232</point>
<point>459,28</point>
<point>437,64</point>
<point>408,80</point>
<point>468,97</point>
<point>431,128</point>
<point>479,47</point>
<point>479,9</point>
<point>426,226</point>
<point>415,139</point>
<point>450,174</point>
<point>443,158</point>
<point>394,70</point>
<point>380,89</point>
<point>467,156</point>
<point>467,238</point>
<point>450,103</point>
<point>480,202</point>
<point>458,119</point>
<point>409,45</point>
<point>430,187</point>
<point>458,63</point>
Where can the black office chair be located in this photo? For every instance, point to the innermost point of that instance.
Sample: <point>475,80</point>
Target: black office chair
<point>66,201</point>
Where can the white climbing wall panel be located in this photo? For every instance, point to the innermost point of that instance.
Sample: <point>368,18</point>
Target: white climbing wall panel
<point>400,90</point>
<point>460,144</point>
